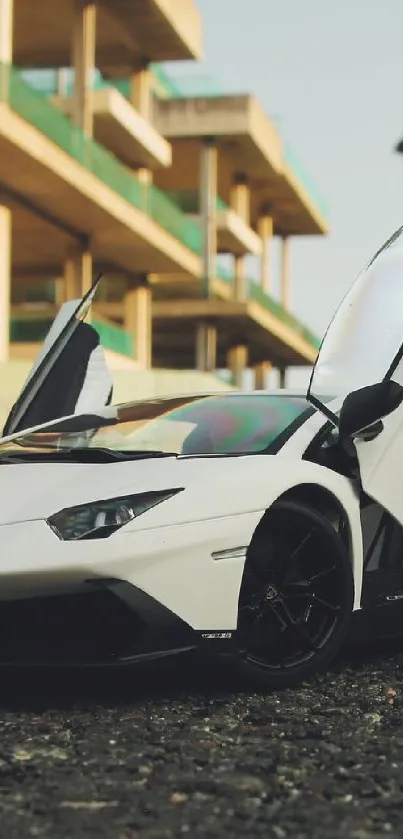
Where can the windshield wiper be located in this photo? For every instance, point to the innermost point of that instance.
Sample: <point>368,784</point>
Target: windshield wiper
<point>84,455</point>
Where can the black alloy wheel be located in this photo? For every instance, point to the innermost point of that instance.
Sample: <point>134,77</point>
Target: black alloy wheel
<point>296,596</point>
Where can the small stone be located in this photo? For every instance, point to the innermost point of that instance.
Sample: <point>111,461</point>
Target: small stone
<point>88,805</point>
<point>179,798</point>
<point>373,718</point>
<point>22,755</point>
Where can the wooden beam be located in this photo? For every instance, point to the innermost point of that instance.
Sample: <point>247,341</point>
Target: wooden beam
<point>83,62</point>
<point>5,281</point>
<point>6,36</point>
<point>237,363</point>
<point>265,230</point>
<point>262,371</point>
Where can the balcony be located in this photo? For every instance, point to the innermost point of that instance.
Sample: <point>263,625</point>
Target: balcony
<point>247,141</point>
<point>122,130</point>
<point>234,235</point>
<point>31,326</point>
<point>267,331</point>
<point>126,31</point>
<point>299,208</point>
<point>45,158</point>
<point>48,161</point>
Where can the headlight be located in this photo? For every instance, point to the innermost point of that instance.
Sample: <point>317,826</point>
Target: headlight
<point>102,518</point>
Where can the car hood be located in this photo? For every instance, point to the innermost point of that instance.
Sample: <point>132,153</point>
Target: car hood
<point>36,491</point>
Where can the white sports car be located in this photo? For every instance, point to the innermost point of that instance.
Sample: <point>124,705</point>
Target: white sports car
<point>261,525</point>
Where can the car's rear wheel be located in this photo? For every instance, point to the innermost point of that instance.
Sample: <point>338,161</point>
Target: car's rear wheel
<point>296,596</point>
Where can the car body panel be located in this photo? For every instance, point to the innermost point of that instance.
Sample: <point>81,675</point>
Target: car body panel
<point>167,551</point>
<point>363,346</point>
<point>364,338</point>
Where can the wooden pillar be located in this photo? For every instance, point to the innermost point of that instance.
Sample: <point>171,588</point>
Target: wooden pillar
<point>265,231</point>
<point>6,31</point>
<point>239,278</point>
<point>285,273</point>
<point>62,82</point>
<point>138,320</point>
<point>282,377</point>
<point>208,199</point>
<point>206,347</point>
<point>77,274</point>
<point>237,363</point>
<point>83,64</point>
<point>141,99</point>
<point>262,371</point>
<point>206,333</point>
<point>6,46</point>
<point>141,91</point>
<point>240,197</point>
<point>5,281</point>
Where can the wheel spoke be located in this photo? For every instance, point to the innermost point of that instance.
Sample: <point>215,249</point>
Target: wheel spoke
<point>312,599</point>
<point>297,629</point>
<point>301,545</point>
<point>321,574</point>
<point>305,583</point>
<point>325,603</point>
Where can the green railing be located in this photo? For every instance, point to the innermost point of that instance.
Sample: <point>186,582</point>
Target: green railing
<point>168,84</point>
<point>34,331</point>
<point>224,273</point>
<point>29,331</point>
<point>189,200</point>
<point>48,119</point>
<point>185,87</point>
<point>114,339</point>
<point>304,178</point>
<point>45,82</point>
<point>258,295</point>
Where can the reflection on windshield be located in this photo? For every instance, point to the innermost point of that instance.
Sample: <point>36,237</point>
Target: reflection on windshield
<point>366,332</point>
<point>220,424</point>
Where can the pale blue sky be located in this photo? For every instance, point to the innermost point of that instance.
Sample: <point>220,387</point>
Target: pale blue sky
<point>333,73</point>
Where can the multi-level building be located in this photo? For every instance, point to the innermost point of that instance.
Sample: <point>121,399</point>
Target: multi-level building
<point>109,166</point>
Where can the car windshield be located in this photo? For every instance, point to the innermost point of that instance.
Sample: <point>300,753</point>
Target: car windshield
<point>212,424</point>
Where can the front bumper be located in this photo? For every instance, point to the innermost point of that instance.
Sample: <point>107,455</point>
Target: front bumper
<point>172,565</point>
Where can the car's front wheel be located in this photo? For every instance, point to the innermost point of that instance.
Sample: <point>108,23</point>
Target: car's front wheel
<point>296,596</point>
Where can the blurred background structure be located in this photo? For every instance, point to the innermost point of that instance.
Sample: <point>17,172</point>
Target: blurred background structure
<point>109,164</point>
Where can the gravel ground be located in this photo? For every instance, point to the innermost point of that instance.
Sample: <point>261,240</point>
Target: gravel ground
<point>180,750</point>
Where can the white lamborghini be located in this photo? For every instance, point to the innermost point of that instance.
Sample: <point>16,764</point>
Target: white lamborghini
<point>261,525</point>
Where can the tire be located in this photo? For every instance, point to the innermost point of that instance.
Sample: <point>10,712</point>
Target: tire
<point>296,597</point>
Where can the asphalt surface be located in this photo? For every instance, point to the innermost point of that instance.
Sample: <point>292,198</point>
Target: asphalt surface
<point>182,750</point>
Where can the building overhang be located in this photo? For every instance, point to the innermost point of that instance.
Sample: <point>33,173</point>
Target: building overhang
<point>120,128</point>
<point>34,169</point>
<point>267,337</point>
<point>248,145</point>
<point>127,33</point>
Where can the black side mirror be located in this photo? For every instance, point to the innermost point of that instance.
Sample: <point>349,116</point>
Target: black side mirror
<point>363,409</point>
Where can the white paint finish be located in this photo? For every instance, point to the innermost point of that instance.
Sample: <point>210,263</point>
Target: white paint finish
<point>381,464</point>
<point>167,552</point>
<point>366,332</point>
